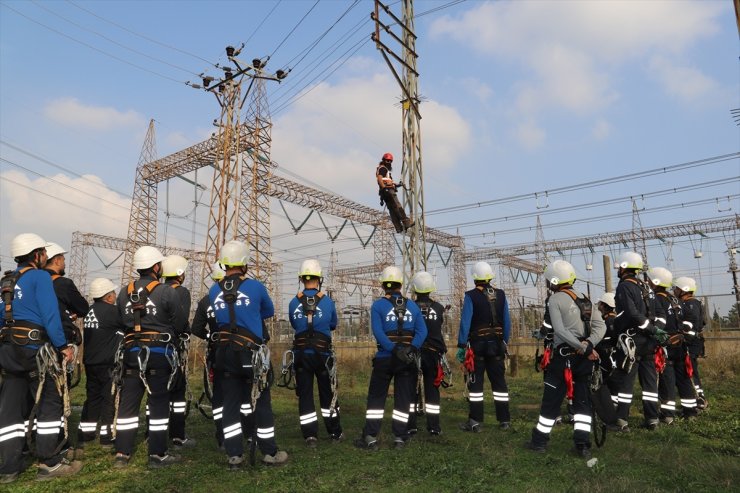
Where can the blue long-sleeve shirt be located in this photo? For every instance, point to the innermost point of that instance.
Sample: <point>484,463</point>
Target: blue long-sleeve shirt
<point>476,306</point>
<point>35,301</point>
<point>252,306</point>
<point>383,321</point>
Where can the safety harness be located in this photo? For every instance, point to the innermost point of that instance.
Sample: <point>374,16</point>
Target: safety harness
<point>311,339</point>
<point>23,332</point>
<point>487,332</point>
<point>399,336</point>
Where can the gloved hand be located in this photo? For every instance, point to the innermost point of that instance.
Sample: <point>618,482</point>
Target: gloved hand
<point>460,355</point>
<point>661,336</point>
<point>406,354</point>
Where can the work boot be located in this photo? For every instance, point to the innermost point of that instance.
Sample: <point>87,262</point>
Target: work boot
<point>235,462</point>
<point>121,460</point>
<point>64,468</point>
<point>399,443</point>
<point>336,438</point>
<point>701,402</point>
<point>280,458</point>
<point>312,442</point>
<point>412,431</point>
<point>408,224</point>
<point>651,424</point>
<point>582,451</point>
<point>183,442</point>
<point>8,478</point>
<point>157,461</point>
<point>667,420</point>
<point>472,426</point>
<point>620,426</point>
<point>504,425</point>
<point>368,442</point>
<point>435,433</point>
<point>540,449</point>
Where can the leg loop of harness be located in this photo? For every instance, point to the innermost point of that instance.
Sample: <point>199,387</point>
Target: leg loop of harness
<point>143,360</point>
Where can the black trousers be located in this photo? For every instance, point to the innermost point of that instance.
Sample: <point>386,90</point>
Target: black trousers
<point>234,375</point>
<point>644,367</point>
<point>132,392</point>
<point>674,377</point>
<point>309,366</point>
<point>429,364</point>
<point>554,393</point>
<point>404,378</point>
<point>489,359</point>
<point>178,406</point>
<point>395,209</point>
<point>17,394</point>
<point>98,406</point>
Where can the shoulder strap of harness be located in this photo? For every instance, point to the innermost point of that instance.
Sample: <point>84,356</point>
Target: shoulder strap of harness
<point>424,306</point>
<point>490,293</point>
<point>138,300</point>
<point>675,304</point>
<point>230,288</point>
<point>584,306</point>
<point>646,295</point>
<point>7,290</point>
<point>309,304</point>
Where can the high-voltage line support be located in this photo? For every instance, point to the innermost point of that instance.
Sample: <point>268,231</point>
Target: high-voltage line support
<point>414,240</point>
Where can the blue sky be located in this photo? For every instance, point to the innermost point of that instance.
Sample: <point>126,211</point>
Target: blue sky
<point>520,97</point>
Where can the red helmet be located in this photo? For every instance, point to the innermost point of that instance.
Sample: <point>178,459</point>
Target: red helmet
<point>388,157</point>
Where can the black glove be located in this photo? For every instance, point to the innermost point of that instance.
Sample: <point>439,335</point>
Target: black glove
<point>405,354</point>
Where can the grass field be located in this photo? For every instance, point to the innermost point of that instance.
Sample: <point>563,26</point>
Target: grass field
<point>703,455</point>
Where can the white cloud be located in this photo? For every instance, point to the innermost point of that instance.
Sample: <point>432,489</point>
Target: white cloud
<point>55,206</point>
<point>177,140</point>
<point>529,135</point>
<point>70,111</point>
<point>477,87</point>
<point>335,135</point>
<point>601,130</point>
<point>685,83</point>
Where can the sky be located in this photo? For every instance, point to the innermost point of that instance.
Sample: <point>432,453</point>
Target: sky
<point>519,98</point>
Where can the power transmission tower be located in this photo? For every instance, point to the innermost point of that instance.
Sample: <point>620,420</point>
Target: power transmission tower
<point>638,234</point>
<point>142,225</point>
<point>414,240</point>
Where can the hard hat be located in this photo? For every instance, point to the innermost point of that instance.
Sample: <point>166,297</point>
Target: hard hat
<point>234,254</point>
<point>25,243</point>
<point>482,271</point>
<point>660,276</point>
<point>685,284</point>
<point>388,157</point>
<point>53,249</point>
<point>391,274</point>
<point>423,282</point>
<point>608,299</point>
<point>630,260</point>
<point>147,256</point>
<point>560,272</point>
<point>217,273</point>
<point>174,266</point>
<point>310,268</point>
<point>100,287</point>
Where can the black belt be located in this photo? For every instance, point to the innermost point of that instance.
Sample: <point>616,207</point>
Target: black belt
<point>145,338</point>
<point>149,371</point>
<point>24,333</point>
<point>319,342</point>
<point>227,337</point>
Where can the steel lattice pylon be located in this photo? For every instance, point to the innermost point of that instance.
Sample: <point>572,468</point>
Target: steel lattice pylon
<point>142,225</point>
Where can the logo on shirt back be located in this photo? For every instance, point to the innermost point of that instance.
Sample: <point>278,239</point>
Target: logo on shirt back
<point>298,313</point>
<point>391,316</point>
<point>241,300</point>
<point>91,321</point>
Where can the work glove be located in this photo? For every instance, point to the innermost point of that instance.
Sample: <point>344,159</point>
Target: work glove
<point>406,354</point>
<point>460,355</point>
<point>661,336</point>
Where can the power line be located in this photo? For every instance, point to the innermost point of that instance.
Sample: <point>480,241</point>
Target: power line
<point>294,28</point>
<point>143,36</point>
<point>589,184</point>
<point>132,64</point>
<point>133,50</point>
<point>263,21</point>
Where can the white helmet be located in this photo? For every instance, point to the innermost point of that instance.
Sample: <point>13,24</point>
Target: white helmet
<point>391,274</point>
<point>25,243</point>
<point>54,249</point>
<point>482,271</point>
<point>147,256</point>
<point>423,282</point>
<point>174,266</point>
<point>685,284</point>
<point>660,276</point>
<point>560,272</point>
<point>100,287</point>
<point>234,253</point>
<point>217,273</point>
<point>608,299</point>
<point>630,260</point>
<point>310,268</point>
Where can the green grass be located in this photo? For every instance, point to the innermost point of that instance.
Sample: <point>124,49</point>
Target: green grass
<point>703,455</point>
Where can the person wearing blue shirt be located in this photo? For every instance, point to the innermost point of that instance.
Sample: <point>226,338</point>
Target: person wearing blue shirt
<point>399,329</point>
<point>31,321</point>
<point>485,328</point>
<point>240,306</point>
<point>313,317</point>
